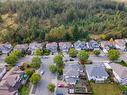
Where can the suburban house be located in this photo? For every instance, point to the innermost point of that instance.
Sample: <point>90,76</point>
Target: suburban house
<point>96,72</point>
<point>80,45</point>
<point>33,46</point>
<point>94,45</point>
<point>11,82</point>
<point>21,47</point>
<point>52,47</point>
<point>5,48</point>
<point>2,71</point>
<point>120,44</point>
<point>120,73</point>
<point>72,72</point>
<point>65,46</point>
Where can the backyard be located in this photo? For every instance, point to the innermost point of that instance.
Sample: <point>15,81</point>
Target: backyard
<point>106,89</point>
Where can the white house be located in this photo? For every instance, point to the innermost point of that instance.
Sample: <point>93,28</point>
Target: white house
<point>120,73</point>
<point>96,72</point>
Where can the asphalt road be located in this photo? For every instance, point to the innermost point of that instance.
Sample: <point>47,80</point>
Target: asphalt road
<point>47,77</point>
<point>26,59</point>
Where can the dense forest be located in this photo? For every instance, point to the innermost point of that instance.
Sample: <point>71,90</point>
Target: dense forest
<point>61,20</point>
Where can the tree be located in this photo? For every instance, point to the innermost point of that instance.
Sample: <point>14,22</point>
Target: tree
<point>24,66</point>
<point>17,53</point>
<point>111,40</point>
<point>29,72</point>
<point>56,34</point>
<point>36,62</point>
<point>53,68</point>
<point>72,52</point>
<point>38,52</point>
<point>102,37</point>
<point>76,33</point>
<point>41,19</point>
<point>60,71</point>
<point>46,52</point>
<point>126,45</point>
<point>0,52</point>
<point>97,52</point>
<point>1,20</point>
<point>11,59</point>
<point>51,87</point>
<point>35,78</point>
<point>58,60</point>
<point>113,54</point>
<point>41,35</point>
<point>83,56</point>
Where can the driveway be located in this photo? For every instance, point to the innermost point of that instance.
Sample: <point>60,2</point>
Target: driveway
<point>2,58</point>
<point>47,77</point>
<point>26,59</point>
<point>98,59</point>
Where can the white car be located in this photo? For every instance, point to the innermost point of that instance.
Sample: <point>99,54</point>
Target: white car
<point>42,72</point>
<point>45,57</point>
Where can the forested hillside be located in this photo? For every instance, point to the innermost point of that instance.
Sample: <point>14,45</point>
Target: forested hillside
<point>61,20</point>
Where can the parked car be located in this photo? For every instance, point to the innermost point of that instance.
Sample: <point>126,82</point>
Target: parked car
<point>71,59</point>
<point>42,72</point>
<point>60,94</point>
<point>60,85</point>
<point>45,57</point>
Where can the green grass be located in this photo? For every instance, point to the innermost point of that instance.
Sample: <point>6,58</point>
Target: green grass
<point>106,89</point>
<point>24,90</point>
<point>123,88</point>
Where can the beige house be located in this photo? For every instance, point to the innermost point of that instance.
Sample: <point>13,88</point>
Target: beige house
<point>120,73</point>
<point>11,82</point>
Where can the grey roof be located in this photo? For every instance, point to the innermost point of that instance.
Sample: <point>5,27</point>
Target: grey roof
<point>80,44</point>
<point>5,48</point>
<point>34,45</point>
<point>72,69</point>
<point>11,82</point>
<point>21,47</point>
<point>96,70</point>
<point>94,44</point>
<point>72,72</point>
<point>65,45</point>
<point>119,69</point>
<point>71,80</point>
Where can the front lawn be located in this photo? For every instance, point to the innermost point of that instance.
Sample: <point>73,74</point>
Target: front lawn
<point>106,89</point>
